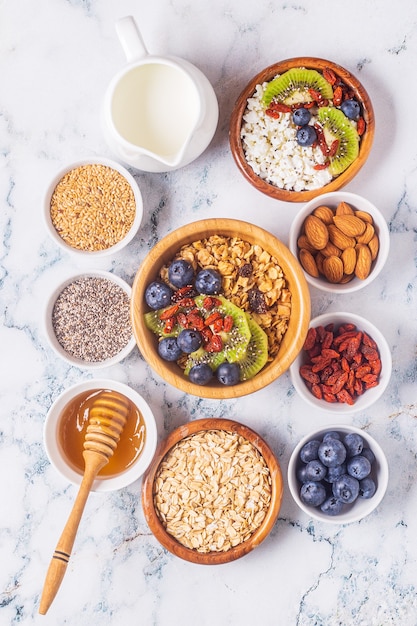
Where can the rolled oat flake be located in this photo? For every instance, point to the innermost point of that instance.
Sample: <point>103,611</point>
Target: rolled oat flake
<point>91,319</point>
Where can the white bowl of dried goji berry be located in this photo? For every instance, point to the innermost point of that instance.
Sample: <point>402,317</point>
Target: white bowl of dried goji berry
<point>345,364</point>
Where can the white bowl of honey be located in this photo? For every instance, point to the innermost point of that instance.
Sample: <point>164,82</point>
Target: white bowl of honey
<point>65,428</point>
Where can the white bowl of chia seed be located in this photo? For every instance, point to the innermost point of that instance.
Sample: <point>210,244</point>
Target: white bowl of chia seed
<point>92,208</point>
<point>87,320</point>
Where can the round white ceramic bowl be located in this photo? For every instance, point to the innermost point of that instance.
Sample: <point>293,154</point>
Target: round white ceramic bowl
<point>49,330</point>
<point>370,396</point>
<point>356,202</point>
<point>54,451</point>
<point>362,506</point>
<point>85,255</point>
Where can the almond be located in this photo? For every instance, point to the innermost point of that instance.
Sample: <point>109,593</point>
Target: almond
<point>367,234</point>
<point>316,232</point>
<point>319,258</point>
<point>343,208</point>
<point>308,262</point>
<point>333,269</point>
<point>303,242</point>
<point>363,261</point>
<point>324,213</point>
<point>349,260</point>
<point>373,245</point>
<point>366,217</point>
<point>350,225</point>
<point>339,238</point>
<point>331,250</point>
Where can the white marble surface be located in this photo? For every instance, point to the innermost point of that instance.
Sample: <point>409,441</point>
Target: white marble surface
<point>56,58</point>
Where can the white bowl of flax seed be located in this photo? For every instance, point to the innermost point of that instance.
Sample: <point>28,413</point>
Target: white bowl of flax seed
<point>87,320</point>
<point>92,208</point>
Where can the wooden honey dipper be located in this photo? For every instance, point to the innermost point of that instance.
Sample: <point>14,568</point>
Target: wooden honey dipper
<point>107,418</point>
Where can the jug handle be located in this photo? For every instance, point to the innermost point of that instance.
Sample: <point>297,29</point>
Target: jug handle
<point>130,38</point>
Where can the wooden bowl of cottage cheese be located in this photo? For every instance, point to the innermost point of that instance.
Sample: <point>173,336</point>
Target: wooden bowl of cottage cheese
<point>265,137</point>
<point>213,491</point>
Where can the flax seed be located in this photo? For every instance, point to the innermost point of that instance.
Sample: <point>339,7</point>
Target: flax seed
<point>92,207</point>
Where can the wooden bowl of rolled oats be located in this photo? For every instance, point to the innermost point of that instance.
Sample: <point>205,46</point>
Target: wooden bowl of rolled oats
<point>212,492</point>
<point>92,208</point>
<point>262,287</point>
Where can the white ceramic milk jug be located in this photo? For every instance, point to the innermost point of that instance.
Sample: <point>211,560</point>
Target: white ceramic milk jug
<point>159,113</point>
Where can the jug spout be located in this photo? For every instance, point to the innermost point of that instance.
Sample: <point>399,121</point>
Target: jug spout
<point>131,39</point>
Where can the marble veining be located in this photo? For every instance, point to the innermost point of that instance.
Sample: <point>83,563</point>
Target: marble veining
<point>56,59</point>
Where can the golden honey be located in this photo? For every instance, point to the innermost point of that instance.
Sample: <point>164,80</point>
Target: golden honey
<point>72,426</point>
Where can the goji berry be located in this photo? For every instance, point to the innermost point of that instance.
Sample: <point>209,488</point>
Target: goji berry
<point>218,325</point>
<point>169,312</point>
<point>307,373</point>
<point>228,323</point>
<point>345,397</point>
<point>169,324</point>
<point>317,391</point>
<point>212,318</point>
<point>215,344</point>
<point>310,339</point>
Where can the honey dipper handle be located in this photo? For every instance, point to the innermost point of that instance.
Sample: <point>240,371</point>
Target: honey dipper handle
<point>60,558</point>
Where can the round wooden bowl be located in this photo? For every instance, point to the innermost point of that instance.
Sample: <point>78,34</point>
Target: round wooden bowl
<point>167,540</point>
<point>267,75</point>
<point>164,251</point>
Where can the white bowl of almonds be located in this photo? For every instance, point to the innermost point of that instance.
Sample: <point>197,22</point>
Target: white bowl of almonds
<point>92,208</point>
<point>341,240</point>
<point>212,492</point>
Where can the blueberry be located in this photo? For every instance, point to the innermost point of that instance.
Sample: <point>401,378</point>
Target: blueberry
<point>168,349</point>
<point>353,443</point>
<point>200,374</point>
<point>333,473</point>
<point>189,340</point>
<point>346,488</point>
<point>158,295</point>
<point>301,474</point>
<point>332,452</point>
<point>358,466</point>
<point>180,273</point>
<point>351,109</point>
<point>367,452</point>
<point>208,282</point>
<point>331,434</point>
<point>315,470</point>
<point>332,506</point>
<point>313,493</point>
<point>301,116</point>
<point>309,451</point>
<point>228,373</point>
<point>306,135</point>
<point>367,487</point>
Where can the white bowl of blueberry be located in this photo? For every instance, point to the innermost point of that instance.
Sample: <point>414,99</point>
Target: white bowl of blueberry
<point>338,474</point>
<point>220,308</point>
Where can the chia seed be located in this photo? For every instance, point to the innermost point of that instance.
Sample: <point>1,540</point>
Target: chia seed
<point>91,319</point>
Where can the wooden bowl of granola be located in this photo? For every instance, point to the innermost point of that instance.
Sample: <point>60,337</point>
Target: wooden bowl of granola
<point>269,299</point>
<point>274,166</point>
<point>239,513</point>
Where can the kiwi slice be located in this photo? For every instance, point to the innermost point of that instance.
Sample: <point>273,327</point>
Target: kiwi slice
<point>337,126</point>
<point>156,325</point>
<point>235,342</point>
<point>256,354</point>
<point>292,87</point>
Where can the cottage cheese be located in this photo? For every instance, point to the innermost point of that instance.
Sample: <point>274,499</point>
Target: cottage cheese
<point>272,151</point>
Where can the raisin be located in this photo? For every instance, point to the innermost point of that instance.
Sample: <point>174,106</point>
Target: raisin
<point>257,302</point>
<point>245,270</point>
